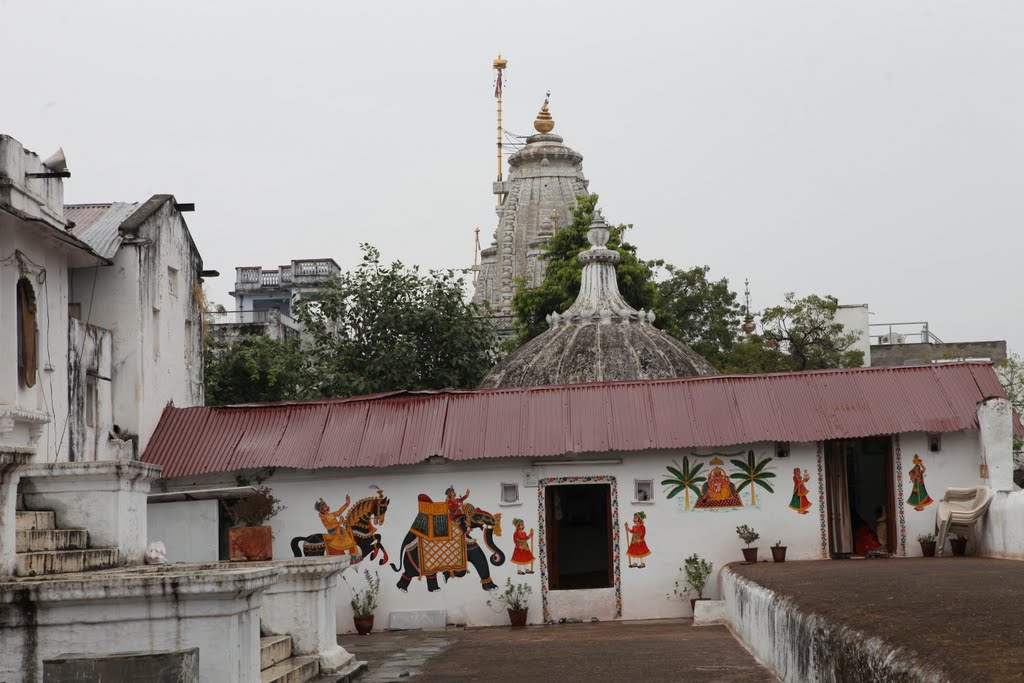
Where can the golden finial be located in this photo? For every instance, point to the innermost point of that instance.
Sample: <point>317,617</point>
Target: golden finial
<point>544,122</point>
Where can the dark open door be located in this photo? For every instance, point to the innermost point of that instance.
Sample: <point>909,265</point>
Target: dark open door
<point>840,534</point>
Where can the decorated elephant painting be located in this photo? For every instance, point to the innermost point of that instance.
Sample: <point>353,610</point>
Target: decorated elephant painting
<point>440,542</point>
<point>355,533</point>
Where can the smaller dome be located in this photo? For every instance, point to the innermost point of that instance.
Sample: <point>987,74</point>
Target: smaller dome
<point>544,122</point>
<point>600,338</point>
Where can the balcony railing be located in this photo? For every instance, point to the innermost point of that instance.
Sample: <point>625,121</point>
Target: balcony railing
<point>250,318</point>
<point>902,333</point>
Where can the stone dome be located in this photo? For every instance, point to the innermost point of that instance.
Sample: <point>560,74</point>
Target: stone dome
<point>600,338</point>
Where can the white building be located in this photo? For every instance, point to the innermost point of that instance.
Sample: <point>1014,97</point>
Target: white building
<point>260,290</point>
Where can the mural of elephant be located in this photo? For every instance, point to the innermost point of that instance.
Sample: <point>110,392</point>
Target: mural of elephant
<point>435,545</point>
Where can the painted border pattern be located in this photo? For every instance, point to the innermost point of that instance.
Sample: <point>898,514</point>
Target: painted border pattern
<point>542,543</point>
<point>899,496</point>
<point>822,514</point>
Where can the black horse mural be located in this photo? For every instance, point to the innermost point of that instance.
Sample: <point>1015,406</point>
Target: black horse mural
<point>436,544</point>
<point>361,522</point>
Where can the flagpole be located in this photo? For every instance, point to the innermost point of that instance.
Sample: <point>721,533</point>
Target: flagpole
<point>499,66</point>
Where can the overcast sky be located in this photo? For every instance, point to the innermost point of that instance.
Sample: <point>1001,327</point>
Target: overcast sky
<point>870,150</point>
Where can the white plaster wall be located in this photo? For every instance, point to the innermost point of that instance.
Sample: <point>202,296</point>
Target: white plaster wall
<point>157,344</point>
<point>50,393</point>
<point>1001,531</point>
<point>672,532</point>
<point>854,318</point>
<point>956,465</point>
<point>187,529</point>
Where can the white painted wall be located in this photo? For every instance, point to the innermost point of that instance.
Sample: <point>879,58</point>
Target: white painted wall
<point>1001,531</point>
<point>187,529</point>
<point>156,327</point>
<point>855,318</point>
<point>672,532</point>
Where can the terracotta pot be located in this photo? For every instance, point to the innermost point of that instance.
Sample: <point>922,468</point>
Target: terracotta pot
<point>778,553</point>
<point>959,546</point>
<point>517,617</point>
<point>250,543</point>
<point>750,555</point>
<point>927,548</point>
<point>363,625</point>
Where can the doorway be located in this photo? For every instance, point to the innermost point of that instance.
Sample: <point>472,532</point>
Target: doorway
<point>859,486</point>
<point>579,536</point>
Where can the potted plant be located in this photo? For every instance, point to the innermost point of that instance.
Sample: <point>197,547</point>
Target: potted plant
<point>250,539</point>
<point>515,598</point>
<point>748,536</point>
<point>927,542</point>
<point>958,545</point>
<point>697,571</point>
<point>364,601</point>
<point>778,552</point>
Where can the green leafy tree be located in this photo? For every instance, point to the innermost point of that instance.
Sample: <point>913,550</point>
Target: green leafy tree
<point>561,283</point>
<point>699,312</point>
<point>684,480</point>
<point>751,473</point>
<point>806,330</point>
<point>755,355</point>
<point>385,328</point>
<point>1011,376</point>
<point>255,369</point>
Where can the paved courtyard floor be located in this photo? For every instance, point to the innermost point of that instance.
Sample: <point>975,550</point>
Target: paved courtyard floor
<point>961,615</point>
<point>660,650</point>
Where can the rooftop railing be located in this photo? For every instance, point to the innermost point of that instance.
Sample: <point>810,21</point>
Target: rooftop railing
<point>902,333</point>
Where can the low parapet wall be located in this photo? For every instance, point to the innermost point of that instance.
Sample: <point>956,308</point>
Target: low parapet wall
<point>800,647</point>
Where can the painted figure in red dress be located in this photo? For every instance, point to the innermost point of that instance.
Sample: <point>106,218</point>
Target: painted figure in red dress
<point>919,497</point>
<point>456,513</point>
<point>523,554</point>
<point>637,545</point>
<point>799,500</point>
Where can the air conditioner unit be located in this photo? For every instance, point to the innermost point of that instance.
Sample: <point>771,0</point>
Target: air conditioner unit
<point>892,339</point>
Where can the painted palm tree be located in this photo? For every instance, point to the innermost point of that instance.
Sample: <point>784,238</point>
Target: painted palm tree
<point>684,480</point>
<point>752,473</point>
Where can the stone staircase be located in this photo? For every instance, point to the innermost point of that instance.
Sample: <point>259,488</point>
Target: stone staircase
<point>279,666</point>
<point>44,549</point>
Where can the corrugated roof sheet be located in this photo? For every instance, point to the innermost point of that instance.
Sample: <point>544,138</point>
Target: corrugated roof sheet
<point>402,428</point>
<point>97,224</point>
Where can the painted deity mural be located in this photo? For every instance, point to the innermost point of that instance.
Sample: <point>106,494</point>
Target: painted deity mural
<point>919,497</point>
<point>637,550</point>
<point>719,489</point>
<point>349,530</point>
<point>440,542</point>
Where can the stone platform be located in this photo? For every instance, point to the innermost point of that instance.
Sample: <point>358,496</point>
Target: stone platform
<point>918,619</point>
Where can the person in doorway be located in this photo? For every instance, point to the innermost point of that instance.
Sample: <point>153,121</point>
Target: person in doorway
<point>338,540</point>
<point>523,554</point>
<point>919,497</point>
<point>637,545</point>
<point>799,501</point>
<point>456,512</point>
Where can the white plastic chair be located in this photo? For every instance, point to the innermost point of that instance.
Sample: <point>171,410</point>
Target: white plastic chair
<point>958,512</point>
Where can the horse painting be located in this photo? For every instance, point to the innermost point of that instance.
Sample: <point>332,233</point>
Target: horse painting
<point>362,520</point>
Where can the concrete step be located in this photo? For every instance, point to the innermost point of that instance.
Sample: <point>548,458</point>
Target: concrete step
<point>66,561</point>
<point>27,521</point>
<point>274,649</point>
<point>35,540</point>
<point>294,670</point>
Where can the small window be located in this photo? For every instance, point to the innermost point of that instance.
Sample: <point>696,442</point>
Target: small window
<point>643,490</point>
<point>90,401</point>
<point>509,493</point>
<point>172,281</point>
<point>27,348</point>
<point>935,442</point>
<point>781,449</point>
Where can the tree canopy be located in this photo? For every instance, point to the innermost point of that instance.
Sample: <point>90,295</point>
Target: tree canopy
<point>389,327</point>
<point>700,312</point>
<point>806,330</point>
<point>561,283</point>
<point>255,369</point>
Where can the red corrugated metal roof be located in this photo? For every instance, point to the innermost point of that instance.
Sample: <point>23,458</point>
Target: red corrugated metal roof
<point>402,428</point>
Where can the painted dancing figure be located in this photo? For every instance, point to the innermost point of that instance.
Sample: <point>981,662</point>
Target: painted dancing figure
<point>919,497</point>
<point>637,545</point>
<point>799,501</point>
<point>523,554</point>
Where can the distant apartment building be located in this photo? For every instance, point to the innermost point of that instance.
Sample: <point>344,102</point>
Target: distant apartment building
<point>264,299</point>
